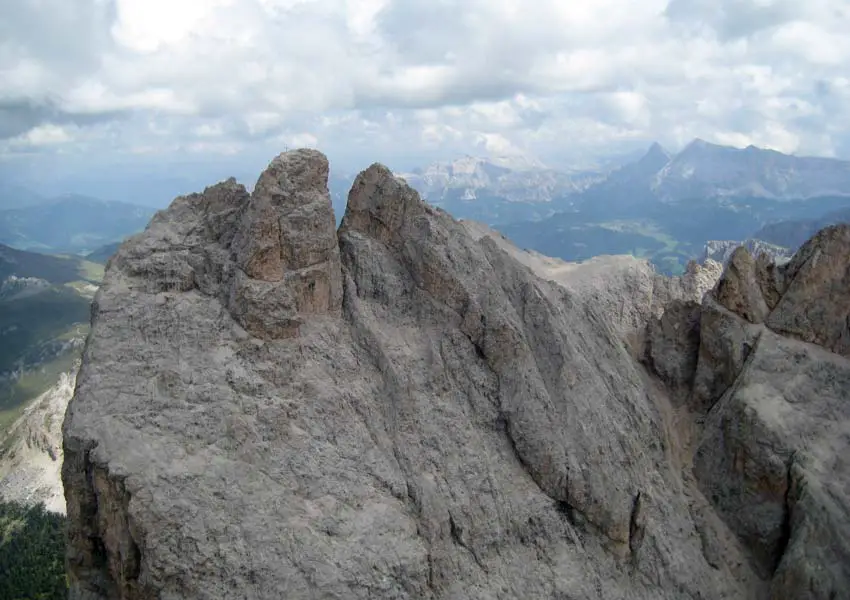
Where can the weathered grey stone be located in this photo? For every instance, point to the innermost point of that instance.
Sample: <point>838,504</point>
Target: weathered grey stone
<point>405,410</point>
<point>768,456</point>
<point>31,449</point>
<point>726,342</point>
<point>625,289</point>
<point>815,304</point>
<point>738,289</point>
<point>769,460</point>
<point>722,250</point>
<point>672,345</point>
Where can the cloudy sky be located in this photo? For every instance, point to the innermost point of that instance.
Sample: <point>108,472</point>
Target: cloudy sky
<point>91,88</point>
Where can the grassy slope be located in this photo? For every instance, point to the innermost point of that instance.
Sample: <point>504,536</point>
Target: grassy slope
<point>103,254</point>
<point>38,324</point>
<point>16,395</point>
<point>55,269</point>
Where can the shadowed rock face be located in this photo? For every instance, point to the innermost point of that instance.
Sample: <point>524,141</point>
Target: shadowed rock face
<point>772,379</point>
<point>271,409</point>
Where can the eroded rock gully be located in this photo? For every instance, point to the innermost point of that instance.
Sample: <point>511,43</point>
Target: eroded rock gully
<point>269,408</point>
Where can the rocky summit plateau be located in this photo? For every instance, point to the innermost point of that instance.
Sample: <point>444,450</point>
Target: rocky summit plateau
<point>411,407</point>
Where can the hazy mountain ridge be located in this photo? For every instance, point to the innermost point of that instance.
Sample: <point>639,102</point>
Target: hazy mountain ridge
<point>722,250</point>
<point>779,239</point>
<point>705,170</point>
<point>71,223</point>
<point>667,208</point>
<point>103,254</point>
<point>793,233</point>
<point>467,177</point>
<point>18,196</point>
<point>700,171</point>
<point>498,190</point>
<point>55,269</point>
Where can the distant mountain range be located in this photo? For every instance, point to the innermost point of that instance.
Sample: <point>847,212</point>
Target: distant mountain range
<point>71,224</point>
<point>703,170</point>
<point>469,177</point>
<point>54,269</point>
<point>666,207</point>
<point>16,196</point>
<point>660,205</point>
<point>103,254</point>
<point>793,233</point>
<point>722,250</point>
<point>501,191</point>
<point>498,191</point>
<point>780,240</point>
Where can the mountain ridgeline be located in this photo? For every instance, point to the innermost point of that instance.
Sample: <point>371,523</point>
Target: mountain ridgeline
<point>271,407</point>
<point>663,206</point>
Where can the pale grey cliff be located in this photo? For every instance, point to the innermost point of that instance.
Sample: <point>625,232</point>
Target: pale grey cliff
<point>470,178</point>
<point>721,250</point>
<point>624,288</point>
<point>771,390</point>
<point>31,449</point>
<point>268,408</point>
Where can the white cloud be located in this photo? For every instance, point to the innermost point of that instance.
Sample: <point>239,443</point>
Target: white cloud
<point>497,145</point>
<point>140,26</point>
<point>303,140</point>
<point>45,135</point>
<point>407,78</point>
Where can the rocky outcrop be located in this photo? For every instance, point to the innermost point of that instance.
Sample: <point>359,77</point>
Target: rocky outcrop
<point>721,250</point>
<point>673,343</point>
<point>31,449</point>
<point>813,303</point>
<point>399,409</point>
<point>771,389</point>
<point>626,289</point>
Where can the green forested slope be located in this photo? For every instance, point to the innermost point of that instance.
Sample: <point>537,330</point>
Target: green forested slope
<point>32,553</point>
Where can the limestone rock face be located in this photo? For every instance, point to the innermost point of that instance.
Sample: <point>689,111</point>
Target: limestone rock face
<point>815,305</point>
<point>739,290</point>
<point>772,394</point>
<point>31,449</point>
<point>771,461</point>
<point>626,290</point>
<point>400,409</point>
<point>673,342</point>
<point>722,250</point>
<point>725,343</point>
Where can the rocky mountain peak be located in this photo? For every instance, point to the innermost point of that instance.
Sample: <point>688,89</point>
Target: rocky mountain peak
<point>706,170</point>
<point>403,409</point>
<point>656,152</point>
<point>379,204</point>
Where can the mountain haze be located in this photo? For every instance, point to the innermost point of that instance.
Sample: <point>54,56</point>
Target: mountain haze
<point>70,224</point>
<point>705,170</point>
<point>497,191</point>
<point>667,207</point>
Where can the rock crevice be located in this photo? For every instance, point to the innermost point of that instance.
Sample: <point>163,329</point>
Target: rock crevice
<point>771,384</point>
